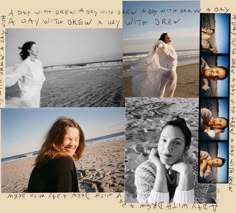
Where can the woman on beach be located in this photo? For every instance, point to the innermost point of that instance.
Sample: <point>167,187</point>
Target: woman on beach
<point>28,76</point>
<point>166,176</point>
<point>155,75</point>
<point>54,169</point>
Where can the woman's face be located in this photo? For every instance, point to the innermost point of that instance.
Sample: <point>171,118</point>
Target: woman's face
<point>71,140</point>
<point>167,39</point>
<point>171,145</point>
<point>34,50</point>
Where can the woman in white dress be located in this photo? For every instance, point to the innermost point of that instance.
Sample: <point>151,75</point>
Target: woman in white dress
<point>29,77</point>
<point>155,75</point>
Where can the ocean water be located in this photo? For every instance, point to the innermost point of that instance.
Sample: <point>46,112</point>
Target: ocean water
<point>85,85</point>
<point>105,138</point>
<point>184,57</point>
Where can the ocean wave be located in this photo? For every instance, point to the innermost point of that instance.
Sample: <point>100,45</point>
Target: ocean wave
<point>181,54</point>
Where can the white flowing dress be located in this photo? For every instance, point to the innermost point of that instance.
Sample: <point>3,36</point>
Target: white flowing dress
<point>155,75</point>
<point>30,77</point>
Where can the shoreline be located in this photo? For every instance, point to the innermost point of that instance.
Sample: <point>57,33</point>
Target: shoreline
<point>187,83</point>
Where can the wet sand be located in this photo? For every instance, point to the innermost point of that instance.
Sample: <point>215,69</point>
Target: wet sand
<point>187,83</point>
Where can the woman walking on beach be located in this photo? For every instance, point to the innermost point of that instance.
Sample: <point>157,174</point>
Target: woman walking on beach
<point>54,169</point>
<point>166,176</point>
<point>155,75</point>
<point>29,77</point>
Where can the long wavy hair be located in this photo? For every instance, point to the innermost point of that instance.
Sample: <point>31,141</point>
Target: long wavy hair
<point>52,146</point>
<point>24,53</point>
<point>162,37</point>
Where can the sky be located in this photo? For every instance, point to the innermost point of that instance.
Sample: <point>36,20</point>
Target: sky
<point>66,46</point>
<point>222,32</point>
<point>223,112</point>
<point>184,34</point>
<point>222,171</point>
<point>223,84</point>
<point>23,130</point>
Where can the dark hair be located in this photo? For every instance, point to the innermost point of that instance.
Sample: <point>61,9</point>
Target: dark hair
<point>223,161</point>
<point>227,121</point>
<point>24,49</point>
<point>181,124</point>
<point>162,37</point>
<point>51,147</point>
<point>226,72</point>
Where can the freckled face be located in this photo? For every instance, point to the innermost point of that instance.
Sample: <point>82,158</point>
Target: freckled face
<point>71,140</point>
<point>171,145</point>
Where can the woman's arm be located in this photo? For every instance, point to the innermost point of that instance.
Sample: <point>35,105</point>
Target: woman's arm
<point>15,73</point>
<point>150,182</point>
<point>184,192</point>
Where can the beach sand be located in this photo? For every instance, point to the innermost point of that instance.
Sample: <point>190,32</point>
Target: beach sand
<point>187,83</point>
<point>101,169</point>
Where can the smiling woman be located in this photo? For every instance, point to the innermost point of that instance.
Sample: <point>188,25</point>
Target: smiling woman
<point>54,169</point>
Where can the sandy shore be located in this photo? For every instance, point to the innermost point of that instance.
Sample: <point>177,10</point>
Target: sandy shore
<point>101,169</point>
<point>187,83</point>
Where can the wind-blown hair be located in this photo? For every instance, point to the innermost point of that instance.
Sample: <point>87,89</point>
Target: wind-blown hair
<point>52,146</point>
<point>24,49</point>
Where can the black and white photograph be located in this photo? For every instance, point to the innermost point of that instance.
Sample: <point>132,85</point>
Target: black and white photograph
<point>63,68</point>
<point>161,152</point>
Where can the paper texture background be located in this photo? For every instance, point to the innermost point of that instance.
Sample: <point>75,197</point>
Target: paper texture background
<point>109,202</point>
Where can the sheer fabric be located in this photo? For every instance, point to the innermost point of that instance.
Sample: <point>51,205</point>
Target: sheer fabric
<point>30,77</point>
<point>155,75</point>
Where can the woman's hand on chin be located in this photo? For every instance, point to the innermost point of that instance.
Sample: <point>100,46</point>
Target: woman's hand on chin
<point>154,158</point>
<point>185,171</point>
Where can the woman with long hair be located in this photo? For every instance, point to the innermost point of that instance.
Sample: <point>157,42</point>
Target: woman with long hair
<point>155,75</point>
<point>54,169</point>
<point>28,76</point>
<point>167,176</point>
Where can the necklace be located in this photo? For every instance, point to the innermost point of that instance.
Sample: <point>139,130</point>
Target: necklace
<point>171,175</point>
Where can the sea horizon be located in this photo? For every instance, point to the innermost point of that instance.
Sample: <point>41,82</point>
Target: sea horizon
<point>100,139</point>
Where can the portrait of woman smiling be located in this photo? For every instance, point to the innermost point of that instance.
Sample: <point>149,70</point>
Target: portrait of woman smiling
<point>54,169</point>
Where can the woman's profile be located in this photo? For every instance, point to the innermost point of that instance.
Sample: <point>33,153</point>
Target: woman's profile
<point>54,169</point>
<point>29,77</point>
<point>155,75</point>
<point>166,176</point>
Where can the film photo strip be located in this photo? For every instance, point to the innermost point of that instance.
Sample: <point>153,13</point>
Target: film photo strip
<point>214,97</point>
